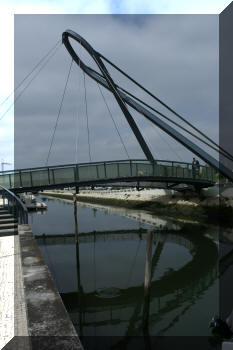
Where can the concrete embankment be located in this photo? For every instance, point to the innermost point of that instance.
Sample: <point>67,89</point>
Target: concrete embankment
<point>33,315</point>
<point>48,321</point>
<point>214,204</point>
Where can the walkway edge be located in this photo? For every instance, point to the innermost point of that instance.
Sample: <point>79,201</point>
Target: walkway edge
<point>48,320</point>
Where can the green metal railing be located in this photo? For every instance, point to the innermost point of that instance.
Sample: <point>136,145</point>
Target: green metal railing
<point>14,205</point>
<point>87,172</point>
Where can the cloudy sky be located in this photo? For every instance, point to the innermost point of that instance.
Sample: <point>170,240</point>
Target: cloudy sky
<point>176,57</point>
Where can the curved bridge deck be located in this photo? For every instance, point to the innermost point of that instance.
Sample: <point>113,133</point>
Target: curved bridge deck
<point>87,174</point>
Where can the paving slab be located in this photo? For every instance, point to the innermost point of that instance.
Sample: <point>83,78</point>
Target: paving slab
<point>13,320</point>
<point>6,289</point>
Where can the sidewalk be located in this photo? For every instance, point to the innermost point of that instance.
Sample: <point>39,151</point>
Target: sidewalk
<point>13,321</point>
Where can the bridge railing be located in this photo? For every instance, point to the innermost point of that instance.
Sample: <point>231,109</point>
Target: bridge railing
<point>14,205</point>
<point>74,173</point>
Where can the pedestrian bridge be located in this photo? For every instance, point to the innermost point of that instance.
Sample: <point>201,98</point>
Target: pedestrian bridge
<point>97,173</point>
<point>134,171</point>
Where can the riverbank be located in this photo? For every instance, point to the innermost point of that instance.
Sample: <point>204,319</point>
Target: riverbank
<point>212,205</point>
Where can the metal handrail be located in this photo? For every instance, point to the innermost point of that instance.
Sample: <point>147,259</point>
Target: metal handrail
<point>94,163</point>
<point>32,177</point>
<point>14,205</point>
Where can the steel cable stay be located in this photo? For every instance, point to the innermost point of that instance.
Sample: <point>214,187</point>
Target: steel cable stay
<point>230,157</point>
<point>77,116</point>
<point>59,112</point>
<point>111,85</point>
<point>124,109</point>
<point>87,118</point>
<point>167,143</point>
<point>34,68</point>
<point>219,150</point>
<point>76,136</point>
<point>29,83</point>
<point>124,101</point>
<point>114,123</point>
<point>156,154</point>
<point>164,104</point>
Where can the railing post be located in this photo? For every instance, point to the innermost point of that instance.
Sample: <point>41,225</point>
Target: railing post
<point>48,176</point>
<point>53,176</point>
<point>31,179</point>
<point>77,172</point>
<point>26,217</point>
<point>20,179</point>
<point>14,205</point>
<point>10,180</point>
<point>3,198</point>
<point>118,170</point>
<point>131,168</point>
<point>8,205</point>
<point>172,168</point>
<point>105,171</point>
<point>16,210</point>
<point>97,172</point>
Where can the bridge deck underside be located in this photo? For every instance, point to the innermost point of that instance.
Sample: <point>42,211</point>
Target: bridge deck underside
<point>107,172</point>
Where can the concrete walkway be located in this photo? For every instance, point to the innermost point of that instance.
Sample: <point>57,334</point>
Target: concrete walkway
<point>6,289</point>
<point>13,321</point>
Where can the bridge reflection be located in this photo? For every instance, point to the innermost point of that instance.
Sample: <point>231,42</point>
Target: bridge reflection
<point>171,295</point>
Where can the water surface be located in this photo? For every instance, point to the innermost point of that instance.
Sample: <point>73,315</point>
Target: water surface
<point>101,276</point>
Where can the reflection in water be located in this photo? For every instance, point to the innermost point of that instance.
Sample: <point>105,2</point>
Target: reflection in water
<point>134,282</point>
<point>147,283</point>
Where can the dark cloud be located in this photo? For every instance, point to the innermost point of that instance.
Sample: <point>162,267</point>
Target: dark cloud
<point>174,56</point>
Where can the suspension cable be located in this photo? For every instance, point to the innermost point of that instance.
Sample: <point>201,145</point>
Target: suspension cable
<point>168,144</point>
<point>222,152</point>
<point>77,118</point>
<point>179,126</point>
<point>123,144</point>
<point>59,112</point>
<point>36,66</point>
<point>29,83</point>
<point>150,146</point>
<point>76,139</point>
<point>165,105</point>
<point>124,108</point>
<point>88,132</point>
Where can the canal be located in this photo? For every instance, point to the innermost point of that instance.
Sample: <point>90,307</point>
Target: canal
<point>101,275</point>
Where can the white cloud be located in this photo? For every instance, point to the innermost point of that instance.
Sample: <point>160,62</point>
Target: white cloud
<point>172,6</point>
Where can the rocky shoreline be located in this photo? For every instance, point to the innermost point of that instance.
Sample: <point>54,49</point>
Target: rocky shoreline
<point>214,205</point>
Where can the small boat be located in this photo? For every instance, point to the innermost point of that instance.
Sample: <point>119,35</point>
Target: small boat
<point>31,202</point>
